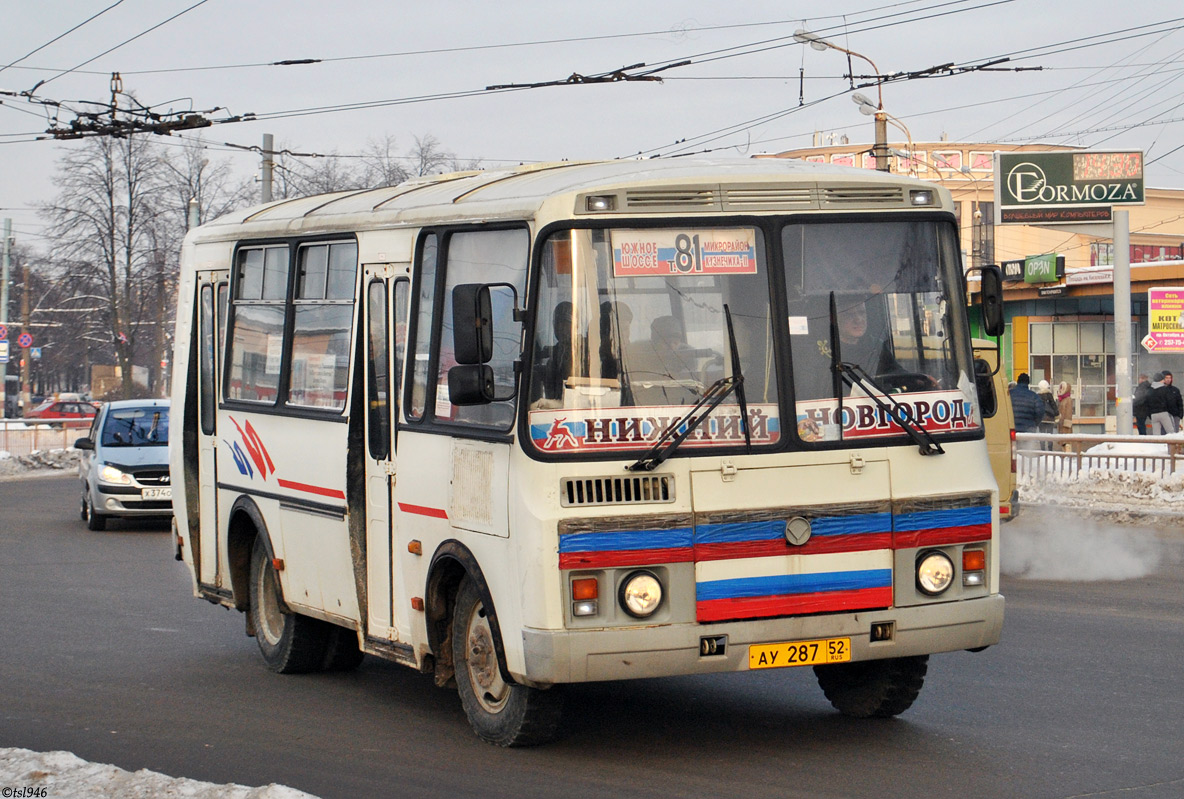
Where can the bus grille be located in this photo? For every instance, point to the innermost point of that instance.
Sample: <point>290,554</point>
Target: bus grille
<point>616,490</point>
<point>659,199</point>
<point>862,196</point>
<point>738,197</point>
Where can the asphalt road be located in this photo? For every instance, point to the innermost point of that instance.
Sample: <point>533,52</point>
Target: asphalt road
<point>104,652</point>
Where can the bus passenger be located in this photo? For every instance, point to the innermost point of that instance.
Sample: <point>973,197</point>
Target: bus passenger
<point>555,360</point>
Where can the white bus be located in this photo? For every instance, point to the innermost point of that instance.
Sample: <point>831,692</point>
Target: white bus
<point>591,421</point>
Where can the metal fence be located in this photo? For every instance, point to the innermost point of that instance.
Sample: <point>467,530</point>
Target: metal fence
<point>1039,455</point>
<point>20,439</point>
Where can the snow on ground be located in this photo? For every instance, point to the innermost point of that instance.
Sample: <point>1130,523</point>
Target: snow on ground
<point>61,775</point>
<point>39,462</point>
<point>1115,481</point>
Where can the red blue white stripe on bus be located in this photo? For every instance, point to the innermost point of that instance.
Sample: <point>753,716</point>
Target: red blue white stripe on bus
<point>944,527</point>
<point>745,539</point>
<point>793,585</point>
<point>625,548</point>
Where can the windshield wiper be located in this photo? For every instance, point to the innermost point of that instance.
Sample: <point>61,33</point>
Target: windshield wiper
<point>738,374</point>
<point>853,375</point>
<point>716,393</point>
<point>669,441</point>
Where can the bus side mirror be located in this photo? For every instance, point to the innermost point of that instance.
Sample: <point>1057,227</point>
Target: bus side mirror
<point>472,325</point>
<point>471,384</point>
<point>991,300</point>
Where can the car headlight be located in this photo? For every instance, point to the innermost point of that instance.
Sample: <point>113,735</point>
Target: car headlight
<point>935,572</point>
<point>109,474</point>
<point>640,594</point>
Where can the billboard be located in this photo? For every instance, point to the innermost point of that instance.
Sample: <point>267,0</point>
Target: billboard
<point>1165,320</point>
<point>1041,187</point>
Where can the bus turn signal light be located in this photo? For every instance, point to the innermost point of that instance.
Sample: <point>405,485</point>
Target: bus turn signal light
<point>974,566</point>
<point>585,595</point>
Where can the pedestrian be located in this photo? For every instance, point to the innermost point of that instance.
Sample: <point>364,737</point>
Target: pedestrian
<point>1158,406</point>
<point>1175,402</point>
<point>1026,407</point>
<point>1139,408</point>
<point>1048,424</point>
<point>1065,412</point>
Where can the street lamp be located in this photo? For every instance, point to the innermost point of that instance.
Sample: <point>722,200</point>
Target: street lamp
<point>880,150</point>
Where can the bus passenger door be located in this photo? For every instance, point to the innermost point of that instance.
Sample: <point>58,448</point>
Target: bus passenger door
<point>385,324</point>
<point>211,310</point>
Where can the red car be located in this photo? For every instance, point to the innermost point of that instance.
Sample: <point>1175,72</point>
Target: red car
<point>64,413</point>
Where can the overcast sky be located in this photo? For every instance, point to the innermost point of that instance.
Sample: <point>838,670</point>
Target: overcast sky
<point>1107,80</point>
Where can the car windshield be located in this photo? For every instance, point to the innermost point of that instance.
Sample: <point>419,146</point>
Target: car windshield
<point>136,427</point>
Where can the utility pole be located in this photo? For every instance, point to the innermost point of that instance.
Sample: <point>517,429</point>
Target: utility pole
<point>268,168</point>
<point>4,312</point>
<point>881,149</point>
<point>1124,385</point>
<point>26,361</point>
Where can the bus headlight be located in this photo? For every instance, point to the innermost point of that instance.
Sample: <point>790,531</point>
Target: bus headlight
<point>935,572</point>
<point>640,594</point>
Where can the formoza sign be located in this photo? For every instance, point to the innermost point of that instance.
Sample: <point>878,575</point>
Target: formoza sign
<point>1036,187</point>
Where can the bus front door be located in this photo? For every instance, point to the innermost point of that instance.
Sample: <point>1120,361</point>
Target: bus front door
<point>212,297</point>
<point>385,323</point>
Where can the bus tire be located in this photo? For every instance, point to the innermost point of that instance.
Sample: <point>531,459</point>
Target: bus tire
<point>290,643</point>
<point>341,650</point>
<point>873,688</point>
<point>500,712</point>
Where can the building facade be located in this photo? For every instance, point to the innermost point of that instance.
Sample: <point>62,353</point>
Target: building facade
<point>1061,329</point>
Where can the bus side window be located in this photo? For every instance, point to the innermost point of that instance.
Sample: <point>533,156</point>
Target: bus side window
<point>377,359</point>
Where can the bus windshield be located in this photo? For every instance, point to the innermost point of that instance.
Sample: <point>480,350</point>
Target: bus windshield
<point>631,331</point>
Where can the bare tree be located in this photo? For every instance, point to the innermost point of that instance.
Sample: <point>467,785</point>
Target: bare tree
<point>104,217</point>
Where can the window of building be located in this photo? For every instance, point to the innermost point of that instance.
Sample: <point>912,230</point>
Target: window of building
<point>1080,353</point>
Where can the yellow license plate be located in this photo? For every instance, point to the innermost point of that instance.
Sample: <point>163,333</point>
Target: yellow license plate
<point>799,653</point>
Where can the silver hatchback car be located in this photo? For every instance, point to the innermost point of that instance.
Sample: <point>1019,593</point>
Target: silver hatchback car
<point>125,463</point>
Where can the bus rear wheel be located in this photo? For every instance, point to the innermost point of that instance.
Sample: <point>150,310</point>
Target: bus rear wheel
<point>873,688</point>
<point>501,712</point>
<point>290,643</point>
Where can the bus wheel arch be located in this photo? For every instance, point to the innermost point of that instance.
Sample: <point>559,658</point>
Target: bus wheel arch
<point>245,525</point>
<point>451,563</point>
<point>467,639</point>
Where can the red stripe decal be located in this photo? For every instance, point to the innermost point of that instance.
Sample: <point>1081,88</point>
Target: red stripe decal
<point>942,536</point>
<point>623,557</point>
<point>322,492</point>
<point>822,602</point>
<point>420,510</point>
<point>819,544</point>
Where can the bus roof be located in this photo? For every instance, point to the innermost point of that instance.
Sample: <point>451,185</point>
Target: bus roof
<point>642,186</point>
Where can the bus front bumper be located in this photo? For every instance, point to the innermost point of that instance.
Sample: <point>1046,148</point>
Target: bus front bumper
<point>568,656</point>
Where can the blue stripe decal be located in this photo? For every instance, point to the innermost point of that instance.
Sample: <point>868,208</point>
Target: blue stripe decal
<point>937,519</point>
<point>782,584</point>
<point>774,529</point>
<point>626,540</point>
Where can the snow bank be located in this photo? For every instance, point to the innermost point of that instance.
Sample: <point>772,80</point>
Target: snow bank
<point>37,462</point>
<point>61,775</point>
<point>1109,482</point>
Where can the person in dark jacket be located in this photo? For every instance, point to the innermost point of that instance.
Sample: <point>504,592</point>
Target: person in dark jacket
<point>1175,401</point>
<point>1139,407</point>
<point>1026,405</point>
<point>1159,405</point>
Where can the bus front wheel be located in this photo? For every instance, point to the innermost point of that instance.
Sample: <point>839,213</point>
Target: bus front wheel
<point>500,712</point>
<point>873,688</point>
<point>290,643</point>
